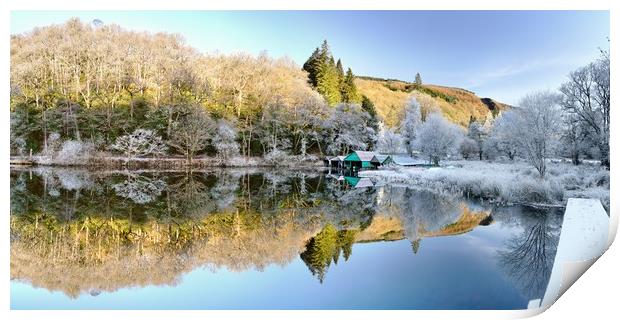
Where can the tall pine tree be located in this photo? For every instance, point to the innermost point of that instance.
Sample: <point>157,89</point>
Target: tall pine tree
<point>373,122</point>
<point>312,66</point>
<point>327,82</point>
<point>328,77</point>
<point>349,90</point>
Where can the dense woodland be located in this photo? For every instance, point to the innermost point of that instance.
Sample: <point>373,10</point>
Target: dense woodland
<point>95,83</point>
<point>94,90</point>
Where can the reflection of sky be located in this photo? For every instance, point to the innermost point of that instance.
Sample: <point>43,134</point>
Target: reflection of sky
<point>457,272</point>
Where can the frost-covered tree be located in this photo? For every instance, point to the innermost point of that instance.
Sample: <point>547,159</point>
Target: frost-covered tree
<point>437,138</point>
<point>574,138</point>
<point>538,127</point>
<point>478,134</point>
<point>192,132</point>
<point>587,95</point>
<point>348,129</point>
<point>74,152</point>
<point>390,142</point>
<point>468,148</point>
<point>224,140</point>
<point>140,143</point>
<point>503,138</point>
<point>272,130</point>
<point>410,123</point>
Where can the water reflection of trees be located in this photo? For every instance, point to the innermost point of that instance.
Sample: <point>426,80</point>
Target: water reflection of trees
<point>79,232</point>
<point>528,255</point>
<point>103,231</point>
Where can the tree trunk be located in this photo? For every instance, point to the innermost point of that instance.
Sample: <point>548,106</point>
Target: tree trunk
<point>44,131</point>
<point>76,124</point>
<point>575,158</point>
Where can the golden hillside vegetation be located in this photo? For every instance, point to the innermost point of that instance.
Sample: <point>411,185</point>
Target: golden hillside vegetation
<point>458,105</point>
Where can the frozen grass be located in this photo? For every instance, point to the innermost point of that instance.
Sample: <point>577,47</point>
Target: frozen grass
<point>510,182</point>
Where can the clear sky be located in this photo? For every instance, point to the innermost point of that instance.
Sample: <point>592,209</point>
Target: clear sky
<point>498,54</point>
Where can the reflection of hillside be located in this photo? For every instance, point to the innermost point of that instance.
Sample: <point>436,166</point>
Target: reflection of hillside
<point>390,228</point>
<point>326,246</point>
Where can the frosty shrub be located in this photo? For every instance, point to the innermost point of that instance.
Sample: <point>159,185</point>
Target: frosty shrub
<point>140,143</point>
<point>19,144</point>
<point>533,190</point>
<point>53,142</point>
<point>275,157</point>
<point>468,148</point>
<point>74,152</point>
<point>224,140</point>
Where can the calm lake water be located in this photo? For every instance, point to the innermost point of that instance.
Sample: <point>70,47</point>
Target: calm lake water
<point>264,239</point>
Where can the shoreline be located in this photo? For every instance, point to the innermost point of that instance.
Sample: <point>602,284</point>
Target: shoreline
<point>168,163</point>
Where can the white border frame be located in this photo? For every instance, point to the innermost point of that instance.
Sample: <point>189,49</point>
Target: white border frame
<point>593,295</point>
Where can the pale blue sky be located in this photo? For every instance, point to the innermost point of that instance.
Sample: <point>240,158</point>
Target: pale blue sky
<point>496,54</point>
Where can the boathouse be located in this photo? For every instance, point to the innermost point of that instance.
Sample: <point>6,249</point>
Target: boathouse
<point>361,160</point>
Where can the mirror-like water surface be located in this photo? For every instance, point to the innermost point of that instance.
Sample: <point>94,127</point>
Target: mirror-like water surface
<point>264,239</point>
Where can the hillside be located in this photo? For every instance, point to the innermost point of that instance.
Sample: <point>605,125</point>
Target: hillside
<point>458,105</point>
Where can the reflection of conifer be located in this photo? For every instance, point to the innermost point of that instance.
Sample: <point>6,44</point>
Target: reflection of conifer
<point>326,247</point>
<point>415,245</point>
<point>346,238</point>
<point>320,251</point>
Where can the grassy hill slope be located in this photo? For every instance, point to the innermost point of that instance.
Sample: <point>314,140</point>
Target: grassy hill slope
<point>458,105</point>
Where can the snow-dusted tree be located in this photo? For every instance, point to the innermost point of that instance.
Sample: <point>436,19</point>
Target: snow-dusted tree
<point>390,142</point>
<point>587,96</point>
<point>478,134</point>
<point>192,132</point>
<point>437,138</point>
<point>410,123</point>
<point>272,130</point>
<point>574,138</point>
<point>538,127</point>
<point>502,137</point>
<point>224,140</point>
<point>348,129</point>
<point>74,152</point>
<point>139,143</point>
<point>468,148</point>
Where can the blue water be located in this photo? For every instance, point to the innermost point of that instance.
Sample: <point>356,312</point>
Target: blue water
<point>461,271</point>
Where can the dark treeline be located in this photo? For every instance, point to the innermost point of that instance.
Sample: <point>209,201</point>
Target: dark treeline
<point>78,88</point>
